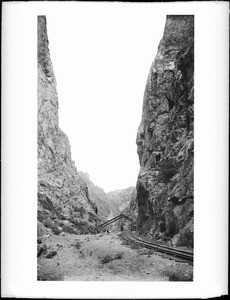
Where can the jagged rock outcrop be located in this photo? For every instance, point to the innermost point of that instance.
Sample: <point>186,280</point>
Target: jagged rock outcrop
<point>165,138</point>
<point>63,200</point>
<point>122,197</point>
<point>106,208</point>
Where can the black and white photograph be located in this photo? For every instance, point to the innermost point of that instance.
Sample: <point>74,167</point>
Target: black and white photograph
<point>142,231</point>
<point>119,144</point>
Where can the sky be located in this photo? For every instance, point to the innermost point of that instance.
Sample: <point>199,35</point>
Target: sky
<point>101,56</point>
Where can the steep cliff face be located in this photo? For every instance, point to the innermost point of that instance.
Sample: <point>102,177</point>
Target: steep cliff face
<point>122,197</point>
<point>107,209</point>
<point>165,138</point>
<point>63,200</point>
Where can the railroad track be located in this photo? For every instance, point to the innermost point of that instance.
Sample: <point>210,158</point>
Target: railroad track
<point>129,237</point>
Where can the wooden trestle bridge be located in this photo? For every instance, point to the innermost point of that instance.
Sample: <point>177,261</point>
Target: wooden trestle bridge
<point>101,226</point>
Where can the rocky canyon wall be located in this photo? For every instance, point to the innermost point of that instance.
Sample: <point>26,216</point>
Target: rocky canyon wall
<point>165,139</point>
<point>122,197</point>
<point>125,199</point>
<point>106,208</point>
<point>63,199</point>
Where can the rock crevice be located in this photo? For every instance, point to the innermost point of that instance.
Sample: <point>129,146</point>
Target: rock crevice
<point>165,138</point>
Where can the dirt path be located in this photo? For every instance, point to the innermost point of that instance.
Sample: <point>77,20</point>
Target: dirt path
<point>105,257</point>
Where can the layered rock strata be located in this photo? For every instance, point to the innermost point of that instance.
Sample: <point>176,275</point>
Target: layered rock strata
<point>165,139</point>
<point>63,199</point>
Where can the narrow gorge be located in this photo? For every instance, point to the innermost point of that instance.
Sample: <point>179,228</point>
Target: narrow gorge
<point>161,206</point>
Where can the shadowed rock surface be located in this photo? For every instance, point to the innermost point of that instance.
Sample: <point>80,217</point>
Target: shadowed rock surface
<point>107,208</point>
<point>127,204</point>
<point>165,138</point>
<point>63,199</point>
<point>122,197</point>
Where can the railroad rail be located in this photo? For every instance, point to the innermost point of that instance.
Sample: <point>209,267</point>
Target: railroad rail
<point>184,254</point>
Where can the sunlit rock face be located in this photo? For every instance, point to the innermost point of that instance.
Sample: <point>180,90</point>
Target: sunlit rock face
<point>165,138</point>
<point>63,200</point>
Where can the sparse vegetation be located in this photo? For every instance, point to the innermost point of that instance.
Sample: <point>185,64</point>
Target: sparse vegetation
<point>51,225</point>
<point>109,257</point>
<point>77,245</point>
<point>50,277</point>
<point>80,209</point>
<point>81,257</point>
<point>177,275</point>
<point>68,229</point>
<point>56,230</point>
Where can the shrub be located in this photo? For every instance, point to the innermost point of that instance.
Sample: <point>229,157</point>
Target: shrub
<point>75,208</point>
<point>62,217</point>
<point>77,245</point>
<point>80,225</point>
<point>50,277</point>
<point>119,255</point>
<point>68,229</point>
<point>109,257</point>
<point>50,224</point>
<point>178,275</point>
<point>56,230</point>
